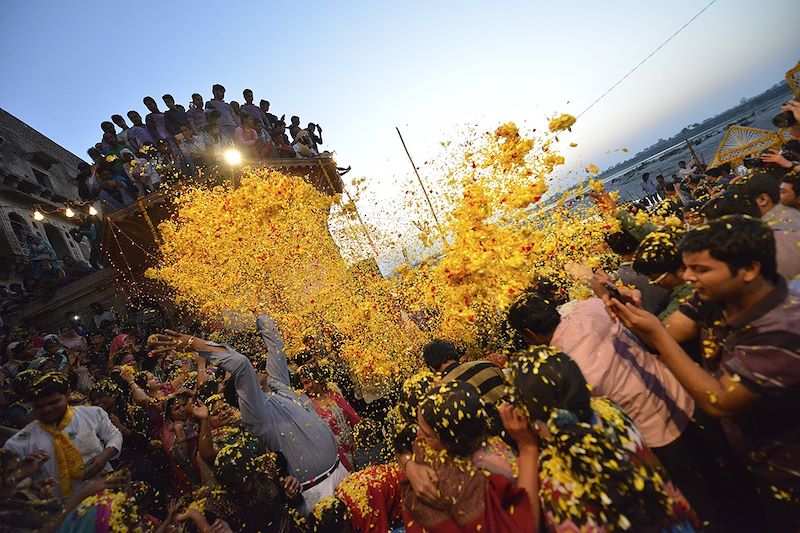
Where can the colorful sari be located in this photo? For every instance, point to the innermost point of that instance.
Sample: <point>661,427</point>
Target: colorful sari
<point>342,418</point>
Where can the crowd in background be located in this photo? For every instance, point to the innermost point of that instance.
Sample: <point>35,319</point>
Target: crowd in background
<point>668,401</point>
<point>177,141</point>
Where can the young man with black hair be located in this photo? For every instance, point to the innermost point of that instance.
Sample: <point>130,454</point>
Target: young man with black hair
<point>790,191</point>
<point>155,121</point>
<point>622,243</point>
<point>650,188</point>
<point>175,115</point>
<point>657,258</point>
<point>75,443</point>
<point>196,114</point>
<point>442,357</point>
<point>294,127</point>
<point>248,108</point>
<point>763,190</point>
<point>315,135</point>
<point>138,135</point>
<point>270,120</point>
<point>108,129</point>
<point>747,322</point>
<point>122,136</point>
<point>226,123</point>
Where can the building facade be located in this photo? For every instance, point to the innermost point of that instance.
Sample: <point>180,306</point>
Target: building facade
<point>35,172</point>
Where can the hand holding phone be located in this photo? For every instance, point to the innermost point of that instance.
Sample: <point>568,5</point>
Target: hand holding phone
<point>613,292</point>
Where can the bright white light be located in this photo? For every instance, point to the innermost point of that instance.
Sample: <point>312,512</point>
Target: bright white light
<point>37,215</point>
<point>92,210</point>
<point>233,157</point>
<point>69,212</point>
<point>76,317</point>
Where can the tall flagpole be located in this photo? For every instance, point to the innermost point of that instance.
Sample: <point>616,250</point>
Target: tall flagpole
<point>422,185</point>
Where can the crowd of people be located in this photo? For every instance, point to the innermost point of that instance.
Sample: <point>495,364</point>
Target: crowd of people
<point>45,272</point>
<point>177,141</point>
<point>667,401</point>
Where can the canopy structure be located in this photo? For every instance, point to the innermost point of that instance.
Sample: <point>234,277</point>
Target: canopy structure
<point>131,238</point>
<point>741,141</point>
<point>793,79</point>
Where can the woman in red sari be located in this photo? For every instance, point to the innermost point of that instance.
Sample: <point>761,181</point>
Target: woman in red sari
<point>332,407</point>
<point>452,426</point>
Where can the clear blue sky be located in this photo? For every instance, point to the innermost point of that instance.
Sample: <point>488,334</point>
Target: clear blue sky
<point>361,68</point>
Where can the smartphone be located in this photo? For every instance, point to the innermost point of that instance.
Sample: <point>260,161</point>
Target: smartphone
<point>613,292</point>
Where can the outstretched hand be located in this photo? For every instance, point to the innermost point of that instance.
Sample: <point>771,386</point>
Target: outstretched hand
<point>160,345</point>
<point>604,200</point>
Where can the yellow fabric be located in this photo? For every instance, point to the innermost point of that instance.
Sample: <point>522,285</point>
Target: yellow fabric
<point>69,460</point>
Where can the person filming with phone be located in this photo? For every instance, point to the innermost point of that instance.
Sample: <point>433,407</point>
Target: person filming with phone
<point>618,367</point>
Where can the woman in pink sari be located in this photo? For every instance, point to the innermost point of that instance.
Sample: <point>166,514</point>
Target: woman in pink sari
<point>332,407</point>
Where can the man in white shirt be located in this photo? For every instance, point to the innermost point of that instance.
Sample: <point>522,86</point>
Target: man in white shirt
<point>79,441</point>
<point>684,172</point>
<point>649,187</point>
<point>101,315</point>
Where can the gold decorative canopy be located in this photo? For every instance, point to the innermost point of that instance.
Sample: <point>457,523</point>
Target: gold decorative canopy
<point>741,141</point>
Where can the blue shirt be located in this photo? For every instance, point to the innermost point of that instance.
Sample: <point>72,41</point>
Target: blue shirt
<point>284,419</point>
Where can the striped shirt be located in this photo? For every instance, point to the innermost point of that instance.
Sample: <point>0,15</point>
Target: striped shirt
<point>483,375</point>
<point>618,367</point>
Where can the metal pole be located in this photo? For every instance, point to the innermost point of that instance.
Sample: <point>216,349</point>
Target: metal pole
<point>422,185</point>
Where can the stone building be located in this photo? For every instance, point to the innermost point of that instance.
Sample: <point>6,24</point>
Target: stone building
<point>34,172</point>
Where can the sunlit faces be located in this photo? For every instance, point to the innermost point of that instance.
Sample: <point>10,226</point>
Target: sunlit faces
<point>713,280</point>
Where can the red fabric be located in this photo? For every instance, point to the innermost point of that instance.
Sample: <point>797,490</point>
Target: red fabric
<point>508,510</point>
<point>116,344</point>
<point>382,484</point>
<point>349,412</point>
<point>181,482</point>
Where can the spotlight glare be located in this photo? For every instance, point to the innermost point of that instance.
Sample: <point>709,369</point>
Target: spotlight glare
<point>37,215</point>
<point>92,210</point>
<point>232,156</point>
<point>69,212</point>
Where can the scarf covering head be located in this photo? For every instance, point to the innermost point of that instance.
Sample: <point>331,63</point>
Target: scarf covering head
<point>116,344</point>
<point>456,413</point>
<point>544,379</point>
<point>412,393</point>
<point>587,451</point>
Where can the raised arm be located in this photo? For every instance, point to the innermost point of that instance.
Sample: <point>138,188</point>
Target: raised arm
<point>252,402</point>
<point>277,365</point>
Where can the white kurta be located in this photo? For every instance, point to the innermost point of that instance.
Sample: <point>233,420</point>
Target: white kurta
<point>90,431</point>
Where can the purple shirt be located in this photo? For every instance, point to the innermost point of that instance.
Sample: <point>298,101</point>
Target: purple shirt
<point>157,124</point>
<point>762,347</point>
<point>253,111</point>
<point>197,118</point>
<point>138,136</point>
<point>225,113</point>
